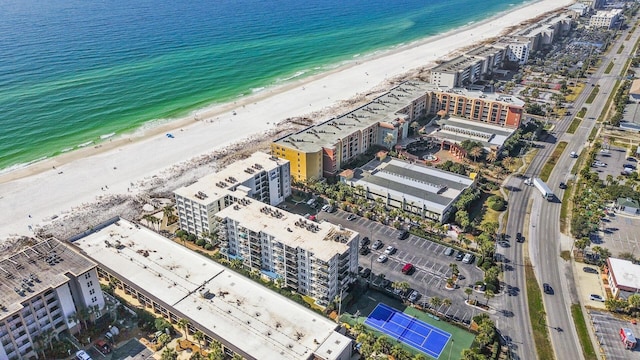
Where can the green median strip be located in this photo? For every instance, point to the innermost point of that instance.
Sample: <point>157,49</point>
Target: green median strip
<point>574,125</point>
<point>564,208</point>
<point>593,95</point>
<point>537,315</point>
<point>583,333</point>
<point>609,67</point>
<point>553,159</point>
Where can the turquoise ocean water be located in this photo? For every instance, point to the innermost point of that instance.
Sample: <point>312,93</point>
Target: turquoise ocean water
<point>76,71</point>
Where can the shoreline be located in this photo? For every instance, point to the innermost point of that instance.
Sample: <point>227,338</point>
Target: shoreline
<point>156,127</point>
<point>58,184</point>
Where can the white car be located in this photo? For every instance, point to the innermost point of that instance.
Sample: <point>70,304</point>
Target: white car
<point>382,258</point>
<point>596,297</point>
<point>390,250</point>
<point>326,207</point>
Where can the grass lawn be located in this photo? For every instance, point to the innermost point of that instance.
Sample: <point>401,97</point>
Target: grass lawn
<point>481,210</point>
<point>548,166</point>
<point>575,91</point>
<point>564,208</point>
<point>537,315</point>
<point>593,95</point>
<point>574,125</point>
<point>583,333</point>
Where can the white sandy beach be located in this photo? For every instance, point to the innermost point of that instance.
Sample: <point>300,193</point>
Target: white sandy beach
<point>30,195</point>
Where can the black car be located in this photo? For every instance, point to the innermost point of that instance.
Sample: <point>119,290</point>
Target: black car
<point>589,270</point>
<point>631,166</point>
<point>366,272</point>
<point>547,289</point>
<point>563,185</point>
<point>403,235</point>
<point>632,159</point>
<point>460,255</point>
<point>365,241</point>
<point>364,250</point>
<point>519,238</point>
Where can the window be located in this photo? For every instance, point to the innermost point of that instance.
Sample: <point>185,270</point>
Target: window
<point>87,276</point>
<point>89,283</point>
<point>92,291</point>
<point>94,299</point>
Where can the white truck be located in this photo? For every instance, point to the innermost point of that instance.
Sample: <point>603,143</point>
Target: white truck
<point>543,188</point>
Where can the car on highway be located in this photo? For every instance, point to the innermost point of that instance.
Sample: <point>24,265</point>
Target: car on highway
<point>504,244</point>
<point>352,217</point>
<point>364,251</point>
<point>390,250</point>
<point>382,258</point>
<point>589,270</point>
<point>377,245</point>
<point>547,289</point>
<point>460,255</point>
<point>519,238</point>
<point>573,154</point>
<point>596,297</point>
<point>562,186</point>
<point>365,241</point>
<point>403,235</point>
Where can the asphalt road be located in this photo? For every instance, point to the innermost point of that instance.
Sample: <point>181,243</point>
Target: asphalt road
<point>543,235</point>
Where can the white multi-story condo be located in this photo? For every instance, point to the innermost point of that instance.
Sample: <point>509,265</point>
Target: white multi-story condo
<point>261,176</point>
<point>245,317</point>
<point>317,259</point>
<point>42,287</point>
<point>468,68</point>
<point>605,19</point>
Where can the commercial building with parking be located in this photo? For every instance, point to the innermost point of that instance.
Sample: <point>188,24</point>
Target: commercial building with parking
<point>176,283</point>
<point>42,288</point>
<point>624,277</point>
<point>425,191</point>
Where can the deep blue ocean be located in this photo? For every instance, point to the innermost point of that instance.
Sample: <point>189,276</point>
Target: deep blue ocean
<point>73,71</point>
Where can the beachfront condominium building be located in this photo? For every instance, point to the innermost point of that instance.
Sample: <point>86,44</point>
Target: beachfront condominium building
<point>323,150</point>
<point>261,176</point>
<point>469,68</point>
<point>606,19</point>
<point>42,288</point>
<point>422,190</point>
<point>175,283</point>
<point>319,260</point>
<point>594,4</point>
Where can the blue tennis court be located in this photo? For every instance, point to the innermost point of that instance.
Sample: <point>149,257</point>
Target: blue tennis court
<point>409,330</point>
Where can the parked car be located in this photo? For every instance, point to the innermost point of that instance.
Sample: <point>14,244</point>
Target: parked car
<point>469,259</point>
<point>413,296</point>
<point>630,166</point>
<point>589,270</point>
<point>103,346</point>
<point>82,355</point>
<point>448,251</point>
<point>408,268</point>
<point>403,235</point>
<point>366,272</point>
<point>632,159</point>
<point>390,250</point>
<point>377,245</point>
<point>364,251</point>
<point>326,208</point>
<point>596,297</point>
<point>547,289</point>
<point>460,255</point>
<point>352,217</point>
<point>365,241</point>
<point>382,258</point>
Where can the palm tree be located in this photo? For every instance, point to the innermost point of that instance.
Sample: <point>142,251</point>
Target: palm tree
<point>492,156</point>
<point>475,152</point>
<point>508,161</point>
<point>489,294</point>
<point>454,269</point>
<point>401,285</point>
<point>447,302</point>
<point>184,325</point>
<point>164,339</point>
<point>414,126</point>
<point>168,354</point>
<point>215,351</point>
<point>435,301</point>
<point>199,336</point>
<point>468,291</point>
<point>388,140</point>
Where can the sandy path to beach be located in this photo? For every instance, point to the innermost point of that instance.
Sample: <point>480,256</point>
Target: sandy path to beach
<point>31,195</point>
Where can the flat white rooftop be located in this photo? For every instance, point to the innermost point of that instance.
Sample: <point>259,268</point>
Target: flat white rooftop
<point>626,273</point>
<point>457,130</point>
<point>287,228</point>
<point>260,322</point>
<point>212,187</point>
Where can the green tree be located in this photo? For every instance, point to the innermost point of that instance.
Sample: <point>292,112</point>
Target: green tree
<point>199,336</point>
<point>183,324</point>
<point>468,291</point>
<point>389,140</point>
<point>168,354</point>
<point>163,339</point>
<point>215,351</point>
<point>489,294</point>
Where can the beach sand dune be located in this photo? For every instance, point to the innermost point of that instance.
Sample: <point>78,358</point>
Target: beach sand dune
<point>92,178</point>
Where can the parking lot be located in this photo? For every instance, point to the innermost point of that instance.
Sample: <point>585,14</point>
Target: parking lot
<point>431,265</point>
<point>615,158</point>
<point>607,328</point>
<point>619,233</point>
